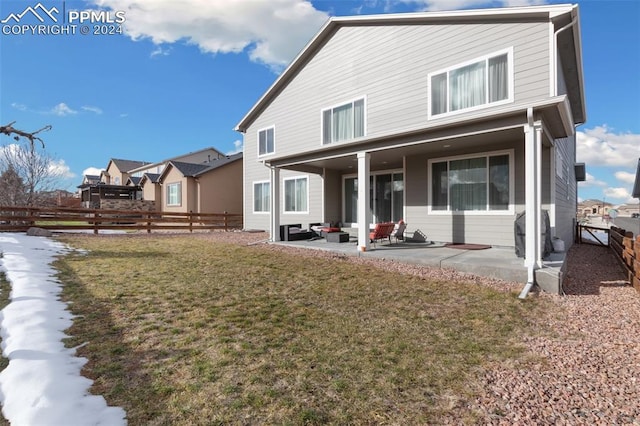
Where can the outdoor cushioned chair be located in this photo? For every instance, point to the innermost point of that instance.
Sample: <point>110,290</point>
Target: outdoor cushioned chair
<point>398,230</point>
<point>382,231</point>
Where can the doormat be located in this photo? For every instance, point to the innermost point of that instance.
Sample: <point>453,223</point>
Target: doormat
<point>462,246</point>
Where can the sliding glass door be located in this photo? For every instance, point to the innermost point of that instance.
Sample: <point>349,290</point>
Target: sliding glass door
<point>386,193</point>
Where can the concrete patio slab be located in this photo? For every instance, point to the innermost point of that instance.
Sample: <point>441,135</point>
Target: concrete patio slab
<point>495,262</point>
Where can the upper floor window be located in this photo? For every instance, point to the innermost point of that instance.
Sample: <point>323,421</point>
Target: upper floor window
<point>484,81</point>
<point>174,194</point>
<point>266,141</point>
<point>343,122</point>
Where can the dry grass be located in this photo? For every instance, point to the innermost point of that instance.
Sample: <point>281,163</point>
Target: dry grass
<point>182,330</point>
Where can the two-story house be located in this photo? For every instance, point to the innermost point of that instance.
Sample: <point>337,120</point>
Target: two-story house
<point>453,121</point>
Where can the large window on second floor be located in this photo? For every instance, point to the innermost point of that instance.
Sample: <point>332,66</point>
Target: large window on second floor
<point>266,141</point>
<point>482,82</point>
<point>343,122</point>
<point>174,194</point>
<point>472,183</point>
<point>296,195</point>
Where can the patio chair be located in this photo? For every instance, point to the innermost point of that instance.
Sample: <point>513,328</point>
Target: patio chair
<point>382,231</point>
<point>398,230</point>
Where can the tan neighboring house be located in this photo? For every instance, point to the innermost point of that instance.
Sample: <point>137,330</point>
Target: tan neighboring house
<point>118,171</point>
<point>593,208</point>
<point>150,187</point>
<point>212,187</point>
<point>627,210</point>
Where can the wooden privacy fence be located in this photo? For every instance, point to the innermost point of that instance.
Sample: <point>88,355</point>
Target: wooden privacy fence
<point>63,219</point>
<point>627,250</point>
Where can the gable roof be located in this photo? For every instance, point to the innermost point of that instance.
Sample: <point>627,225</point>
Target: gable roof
<point>178,158</point>
<point>151,177</point>
<point>135,180</point>
<point>550,12</point>
<point>198,169</point>
<point>126,165</point>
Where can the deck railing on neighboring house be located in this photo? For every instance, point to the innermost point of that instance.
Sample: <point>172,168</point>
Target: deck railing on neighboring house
<point>17,219</point>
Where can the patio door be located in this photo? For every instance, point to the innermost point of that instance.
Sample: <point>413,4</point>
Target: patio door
<point>386,196</point>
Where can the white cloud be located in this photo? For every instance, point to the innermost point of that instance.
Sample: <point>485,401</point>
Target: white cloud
<point>601,146</point>
<point>95,171</point>
<point>238,146</point>
<point>436,5</point>
<point>272,32</point>
<point>19,107</point>
<point>591,181</point>
<point>625,177</point>
<point>62,110</point>
<point>93,109</point>
<point>618,195</point>
<point>160,51</point>
<point>59,168</point>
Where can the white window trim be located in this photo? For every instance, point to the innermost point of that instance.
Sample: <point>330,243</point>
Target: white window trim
<point>352,101</point>
<point>253,189</point>
<point>179,185</point>
<point>509,212</point>
<point>284,195</point>
<point>258,141</point>
<point>510,99</point>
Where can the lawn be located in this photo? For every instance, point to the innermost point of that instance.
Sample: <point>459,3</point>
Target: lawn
<point>186,330</point>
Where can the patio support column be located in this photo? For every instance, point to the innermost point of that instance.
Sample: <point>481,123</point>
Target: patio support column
<point>274,186</point>
<point>364,213</point>
<point>533,215</point>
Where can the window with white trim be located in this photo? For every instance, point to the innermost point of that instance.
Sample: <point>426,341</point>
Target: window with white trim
<point>174,194</point>
<point>266,141</point>
<point>482,82</point>
<point>343,122</point>
<point>261,197</point>
<point>296,195</point>
<point>477,183</point>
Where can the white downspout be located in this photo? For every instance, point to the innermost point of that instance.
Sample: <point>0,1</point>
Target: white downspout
<point>530,217</point>
<point>554,60</point>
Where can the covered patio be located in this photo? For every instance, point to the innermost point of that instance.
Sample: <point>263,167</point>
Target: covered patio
<point>494,262</point>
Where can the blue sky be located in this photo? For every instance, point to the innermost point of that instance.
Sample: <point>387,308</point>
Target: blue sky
<point>183,74</point>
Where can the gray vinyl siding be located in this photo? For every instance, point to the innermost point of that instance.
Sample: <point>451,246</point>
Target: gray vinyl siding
<point>566,193</point>
<point>389,66</point>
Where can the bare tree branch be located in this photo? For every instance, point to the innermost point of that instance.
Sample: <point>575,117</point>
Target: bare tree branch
<point>9,130</point>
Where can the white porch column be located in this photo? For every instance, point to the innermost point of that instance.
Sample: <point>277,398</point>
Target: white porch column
<point>274,186</point>
<point>533,215</point>
<point>364,214</point>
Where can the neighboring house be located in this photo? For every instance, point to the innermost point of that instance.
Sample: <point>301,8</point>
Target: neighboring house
<point>139,186</point>
<point>150,187</point>
<point>202,156</point>
<point>453,121</point>
<point>593,208</point>
<point>118,171</point>
<point>90,179</point>
<point>628,209</point>
<point>212,187</point>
